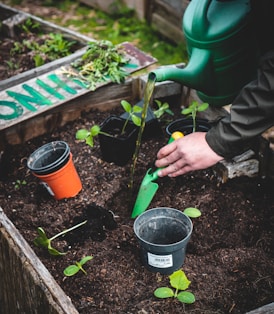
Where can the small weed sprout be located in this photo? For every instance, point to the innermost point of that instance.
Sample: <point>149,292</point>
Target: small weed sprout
<point>43,241</point>
<point>71,270</point>
<point>29,26</point>
<point>192,110</point>
<point>179,281</point>
<point>19,183</point>
<point>88,135</point>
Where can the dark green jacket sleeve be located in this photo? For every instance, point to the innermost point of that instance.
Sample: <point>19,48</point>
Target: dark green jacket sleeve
<point>252,112</point>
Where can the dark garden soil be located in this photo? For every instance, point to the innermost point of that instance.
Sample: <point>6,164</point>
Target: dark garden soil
<point>229,257</point>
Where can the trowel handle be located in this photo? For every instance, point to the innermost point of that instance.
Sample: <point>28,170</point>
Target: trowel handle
<point>175,135</point>
<point>154,173</point>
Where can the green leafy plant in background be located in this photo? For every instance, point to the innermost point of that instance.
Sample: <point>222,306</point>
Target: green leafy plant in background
<point>178,281</point>
<point>43,241</point>
<point>53,46</point>
<point>71,270</point>
<point>88,135</point>
<point>192,110</point>
<point>120,26</point>
<point>29,26</point>
<point>102,61</point>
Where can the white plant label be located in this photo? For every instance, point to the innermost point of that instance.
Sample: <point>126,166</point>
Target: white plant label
<point>160,261</point>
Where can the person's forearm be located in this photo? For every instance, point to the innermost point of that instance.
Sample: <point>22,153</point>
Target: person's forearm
<point>252,112</point>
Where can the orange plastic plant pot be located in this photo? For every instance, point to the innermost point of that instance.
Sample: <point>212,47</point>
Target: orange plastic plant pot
<point>63,183</point>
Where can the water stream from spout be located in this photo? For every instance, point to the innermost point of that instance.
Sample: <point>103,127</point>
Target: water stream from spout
<point>147,96</point>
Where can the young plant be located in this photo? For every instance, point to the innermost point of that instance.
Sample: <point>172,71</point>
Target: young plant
<point>19,183</point>
<point>88,135</point>
<point>192,212</point>
<point>29,26</point>
<point>54,46</point>
<point>192,110</point>
<point>180,283</point>
<point>162,109</point>
<point>71,270</point>
<point>43,241</point>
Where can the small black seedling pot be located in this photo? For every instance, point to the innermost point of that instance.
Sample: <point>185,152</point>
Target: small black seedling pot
<point>163,234</point>
<point>152,127</point>
<point>185,125</point>
<point>116,148</point>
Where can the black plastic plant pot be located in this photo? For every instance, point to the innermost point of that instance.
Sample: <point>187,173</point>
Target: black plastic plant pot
<point>152,127</point>
<point>117,148</point>
<point>163,234</point>
<point>185,125</point>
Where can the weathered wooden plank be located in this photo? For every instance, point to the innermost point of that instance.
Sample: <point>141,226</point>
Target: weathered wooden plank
<point>104,98</point>
<point>26,286</point>
<point>266,309</point>
<point>113,6</point>
<point>166,17</point>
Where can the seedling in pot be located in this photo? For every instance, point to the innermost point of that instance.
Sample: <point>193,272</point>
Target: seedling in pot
<point>162,108</point>
<point>178,281</point>
<point>88,135</point>
<point>43,241</point>
<point>192,110</point>
<point>71,270</point>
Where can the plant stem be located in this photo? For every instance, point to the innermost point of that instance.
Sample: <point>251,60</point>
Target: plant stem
<point>68,230</point>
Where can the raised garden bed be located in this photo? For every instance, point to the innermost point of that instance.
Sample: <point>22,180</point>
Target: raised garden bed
<point>229,258</point>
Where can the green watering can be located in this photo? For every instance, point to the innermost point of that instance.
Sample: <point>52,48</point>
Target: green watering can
<point>223,53</point>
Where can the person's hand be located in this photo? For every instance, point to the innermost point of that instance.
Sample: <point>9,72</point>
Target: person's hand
<point>186,154</point>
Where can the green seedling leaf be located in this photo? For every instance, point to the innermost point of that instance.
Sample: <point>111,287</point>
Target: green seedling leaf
<point>187,111</point>
<point>186,297</point>
<point>82,134</point>
<point>192,212</point>
<point>95,130</point>
<point>163,292</point>
<point>85,259</point>
<point>162,109</point>
<point>136,120</point>
<point>178,280</point>
<point>126,105</point>
<point>43,241</point>
<point>203,107</point>
<point>137,109</point>
<point>71,270</point>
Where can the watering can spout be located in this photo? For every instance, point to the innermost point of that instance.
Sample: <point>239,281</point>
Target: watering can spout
<point>197,74</point>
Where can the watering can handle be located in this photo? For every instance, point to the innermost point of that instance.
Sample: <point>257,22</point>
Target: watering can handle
<point>200,20</point>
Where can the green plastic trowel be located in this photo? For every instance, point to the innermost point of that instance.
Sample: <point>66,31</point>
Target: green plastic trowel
<point>148,187</point>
